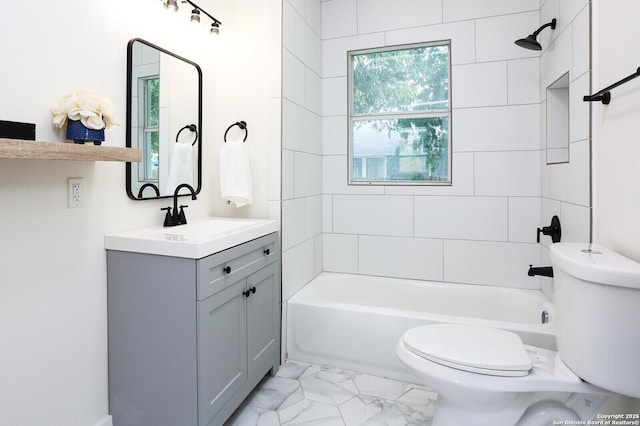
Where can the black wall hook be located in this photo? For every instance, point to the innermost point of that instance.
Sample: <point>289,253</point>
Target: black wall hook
<point>191,127</point>
<point>242,125</point>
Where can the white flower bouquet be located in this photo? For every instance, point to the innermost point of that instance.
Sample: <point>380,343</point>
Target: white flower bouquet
<point>92,110</point>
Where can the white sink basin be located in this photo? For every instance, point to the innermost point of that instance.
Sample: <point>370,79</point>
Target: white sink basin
<point>195,240</point>
<point>205,229</point>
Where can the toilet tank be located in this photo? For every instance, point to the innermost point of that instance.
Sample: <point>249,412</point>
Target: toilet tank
<point>597,297</point>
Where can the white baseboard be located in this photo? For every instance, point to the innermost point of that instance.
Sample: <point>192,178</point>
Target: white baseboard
<point>107,421</point>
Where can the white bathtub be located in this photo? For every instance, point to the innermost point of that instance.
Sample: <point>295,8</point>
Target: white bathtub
<point>354,321</point>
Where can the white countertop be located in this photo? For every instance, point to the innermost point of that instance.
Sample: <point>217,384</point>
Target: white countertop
<point>195,240</point>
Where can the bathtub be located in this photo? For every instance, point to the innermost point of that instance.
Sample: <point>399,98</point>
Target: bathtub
<point>354,321</point>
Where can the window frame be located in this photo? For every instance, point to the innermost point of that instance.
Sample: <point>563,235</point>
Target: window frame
<point>146,129</point>
<point>351,117</point>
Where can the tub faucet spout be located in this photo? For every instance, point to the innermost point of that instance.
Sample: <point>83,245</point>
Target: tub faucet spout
<point>544,271</point>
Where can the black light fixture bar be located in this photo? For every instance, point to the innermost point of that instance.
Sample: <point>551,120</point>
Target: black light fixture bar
<point>604,95</point>
<point>215,21</point>
<point>195,14</point>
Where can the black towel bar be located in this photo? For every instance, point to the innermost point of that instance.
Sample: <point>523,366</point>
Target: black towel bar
<point>604,95</point>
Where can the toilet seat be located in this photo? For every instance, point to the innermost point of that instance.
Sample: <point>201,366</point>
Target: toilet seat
<point>469,348</point>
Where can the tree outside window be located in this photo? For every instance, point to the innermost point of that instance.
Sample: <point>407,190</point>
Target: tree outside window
<point>150,117</point>
<point>399,112</point>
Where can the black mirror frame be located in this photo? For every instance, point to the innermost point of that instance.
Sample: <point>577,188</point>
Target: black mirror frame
<point>130,110</point>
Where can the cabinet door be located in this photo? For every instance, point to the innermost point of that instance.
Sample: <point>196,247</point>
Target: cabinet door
<point>263,320</point>
<point>222,349</point>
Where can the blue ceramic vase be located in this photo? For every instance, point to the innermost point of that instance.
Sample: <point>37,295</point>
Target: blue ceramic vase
<point>77,132</point>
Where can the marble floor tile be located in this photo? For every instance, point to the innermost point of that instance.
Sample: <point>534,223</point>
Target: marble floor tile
<point>293,370</point>
<point>303,394</point>
<point>308,412</point>
<point>273,392</point>
<point>330,388</point>
<point>254,416</point>
<point>294,398</point>
<point>417,405</point>
<point>380,387</point>
<point>371,411</point>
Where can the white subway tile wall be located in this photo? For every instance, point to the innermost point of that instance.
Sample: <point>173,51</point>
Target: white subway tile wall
<point>489,129</point>
<point>482,228</point>
<point>302,146</point>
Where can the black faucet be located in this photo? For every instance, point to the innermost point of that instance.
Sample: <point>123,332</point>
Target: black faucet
<point>148,185</point>
<point>545,271</point>
<point>178,218</point>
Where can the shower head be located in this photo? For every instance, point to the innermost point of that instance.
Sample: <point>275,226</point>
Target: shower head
<point>531,42</point>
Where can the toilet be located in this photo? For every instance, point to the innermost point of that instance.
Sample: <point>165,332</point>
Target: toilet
<point>487,376</point>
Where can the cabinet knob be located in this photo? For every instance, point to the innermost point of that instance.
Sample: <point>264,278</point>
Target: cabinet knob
<point>267,252</point>
<point>227,269</point>
<point>248,292</point>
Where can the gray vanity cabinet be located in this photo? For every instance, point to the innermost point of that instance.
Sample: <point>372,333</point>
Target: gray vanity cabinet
<point>222,336</point>
<point>240,330</point>
<point>190,338</point>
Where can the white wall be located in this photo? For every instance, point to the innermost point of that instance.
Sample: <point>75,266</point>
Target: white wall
<point>566,187</point>
<point>53,324</point>
<point>481,229</point>
<point>301,144</point>
<point>616,151</point>
<point>616,126</point>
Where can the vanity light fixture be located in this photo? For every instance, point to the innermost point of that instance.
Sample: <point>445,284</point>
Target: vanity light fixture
<point>195,13</point>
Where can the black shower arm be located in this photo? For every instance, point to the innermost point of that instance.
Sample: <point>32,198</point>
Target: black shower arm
<point>604,95</point>
<point>551,24</point>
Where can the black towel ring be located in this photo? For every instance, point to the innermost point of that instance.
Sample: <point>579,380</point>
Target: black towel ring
<point>191,127</point>
<point>242,125</point>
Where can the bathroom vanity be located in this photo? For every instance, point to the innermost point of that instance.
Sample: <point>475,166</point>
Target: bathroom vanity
<point>194,322</point>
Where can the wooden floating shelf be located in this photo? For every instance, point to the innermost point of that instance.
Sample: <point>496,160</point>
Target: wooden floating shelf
<point>37,150</point>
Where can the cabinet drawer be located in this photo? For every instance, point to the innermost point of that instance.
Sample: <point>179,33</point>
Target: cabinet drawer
<point>220,270</point>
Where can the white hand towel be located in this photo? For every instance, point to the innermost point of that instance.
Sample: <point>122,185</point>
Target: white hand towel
<point>235,174</point>
<point>181,167</point>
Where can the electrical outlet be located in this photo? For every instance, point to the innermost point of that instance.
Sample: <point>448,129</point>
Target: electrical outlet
<point>75,192</point>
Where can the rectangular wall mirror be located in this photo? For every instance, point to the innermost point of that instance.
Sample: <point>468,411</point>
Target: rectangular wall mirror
<point>164,120</point>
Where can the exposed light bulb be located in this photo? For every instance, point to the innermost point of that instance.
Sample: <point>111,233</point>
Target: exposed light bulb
<point>172,5</point>
<point>195,15</point>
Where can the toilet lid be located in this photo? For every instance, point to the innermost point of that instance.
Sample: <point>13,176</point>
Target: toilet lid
<point>476,349</point>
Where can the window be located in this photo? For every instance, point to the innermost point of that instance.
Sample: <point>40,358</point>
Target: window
<point>150,117</point>
<point>400,115</point>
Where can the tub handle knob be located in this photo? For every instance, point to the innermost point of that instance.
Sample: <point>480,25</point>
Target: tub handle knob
<point>553,230</point>
<point>544,317</point>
